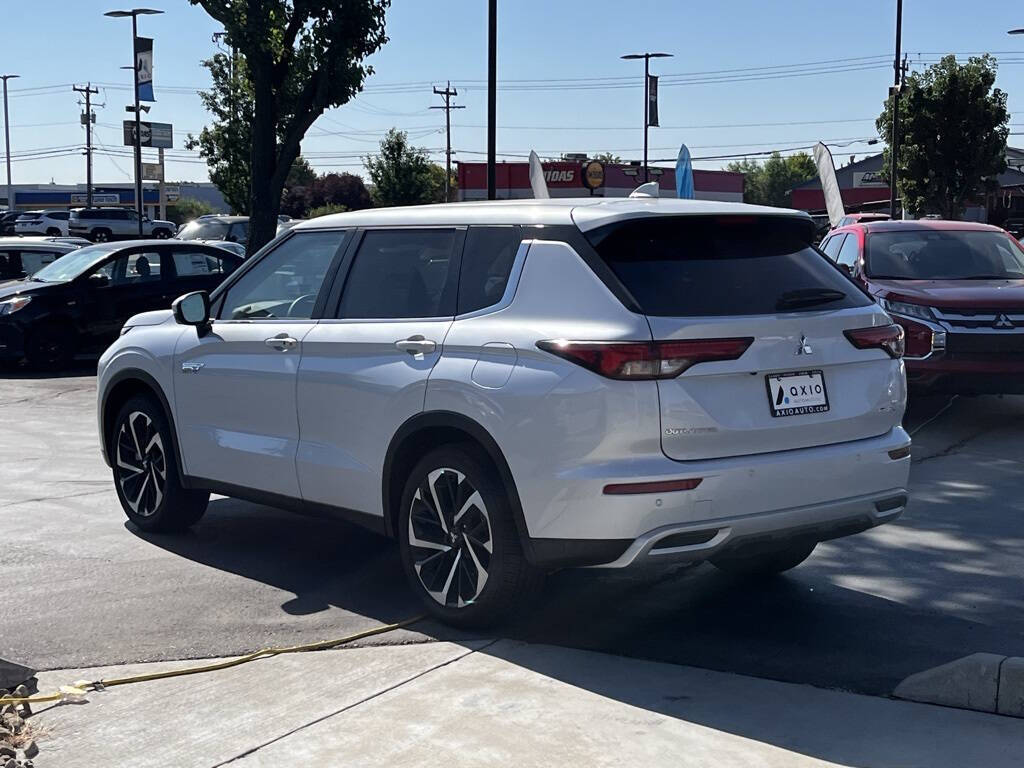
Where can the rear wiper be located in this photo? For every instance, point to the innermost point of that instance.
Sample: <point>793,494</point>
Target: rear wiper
<point>808,297</point>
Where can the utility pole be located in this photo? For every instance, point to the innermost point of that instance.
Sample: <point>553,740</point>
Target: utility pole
<point>897,88</point>
<point>87,119</point>
<point>492,96</point>
<point>7,142</point>
<point>647,94</point>
<point>447,94</point>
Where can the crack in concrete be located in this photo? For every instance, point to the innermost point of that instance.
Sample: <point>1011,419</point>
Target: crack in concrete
<point>353,705</point>
<point>51,498</point>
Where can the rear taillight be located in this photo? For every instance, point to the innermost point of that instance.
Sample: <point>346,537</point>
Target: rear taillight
<point>887,337</point>
<point>638,360</point>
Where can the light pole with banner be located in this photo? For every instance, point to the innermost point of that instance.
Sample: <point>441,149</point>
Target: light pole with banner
<point>142,68</point>
<point>650,96</point>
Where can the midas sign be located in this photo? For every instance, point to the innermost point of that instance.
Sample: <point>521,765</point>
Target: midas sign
<point>560,176</point>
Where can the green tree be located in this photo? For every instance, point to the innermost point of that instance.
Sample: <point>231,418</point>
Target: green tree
<point>188,208</point>
<point>953,131</point>
<point>608,158</point>
<point>299,58</point>
<point>770,182</point>
<point>437,180</point>
<point>301,174</point>
<point>402,174</point>
<point>325,210</point>
<point>226,144</point>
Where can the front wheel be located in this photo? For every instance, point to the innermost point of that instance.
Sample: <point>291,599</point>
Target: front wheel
<point>53,232</point>
<point>100,235</point>
<point>146,473</point>
<point>50,347</point>
<point>161,234</point>
<point>765,562</point>
<point>459,545</point>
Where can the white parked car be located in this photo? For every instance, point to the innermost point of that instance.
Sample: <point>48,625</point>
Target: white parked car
<point>51,223</point>
<point>509,388</point>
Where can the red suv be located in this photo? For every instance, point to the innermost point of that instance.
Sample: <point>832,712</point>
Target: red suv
<point>957,288</point>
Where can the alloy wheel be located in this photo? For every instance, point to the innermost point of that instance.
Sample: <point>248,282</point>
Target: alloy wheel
<point>141,464</point>
<point>450,538</point>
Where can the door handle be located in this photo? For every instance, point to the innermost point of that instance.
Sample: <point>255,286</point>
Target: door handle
<point>282,342</point>
<point>416,345</point>
<point>191,367</point>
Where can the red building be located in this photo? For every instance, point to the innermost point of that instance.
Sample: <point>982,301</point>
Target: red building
<point>565,179</point>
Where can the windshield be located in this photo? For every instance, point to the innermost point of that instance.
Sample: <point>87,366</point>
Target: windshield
<point>74,263</point>
<point>930,254</point>
<point>204,230</point>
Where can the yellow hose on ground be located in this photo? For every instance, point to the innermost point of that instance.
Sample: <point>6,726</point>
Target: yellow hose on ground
<point>79,689</point>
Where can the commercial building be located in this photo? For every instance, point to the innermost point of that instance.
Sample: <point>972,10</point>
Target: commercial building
<point>863,189</point>
<point>565,179</point>
<point>29,197</point>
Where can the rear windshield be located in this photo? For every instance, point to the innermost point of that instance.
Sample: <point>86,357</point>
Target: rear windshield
<point>699,266</point>
<point>933,254</point>
<point>204,230</point>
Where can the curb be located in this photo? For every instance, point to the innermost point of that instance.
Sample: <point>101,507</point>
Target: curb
<point>982,682</point>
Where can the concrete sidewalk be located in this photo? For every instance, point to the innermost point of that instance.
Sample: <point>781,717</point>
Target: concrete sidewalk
<point>498,703</point>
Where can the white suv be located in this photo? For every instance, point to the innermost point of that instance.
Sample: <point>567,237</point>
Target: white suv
<point>510,388</point>
<point>50,223</point>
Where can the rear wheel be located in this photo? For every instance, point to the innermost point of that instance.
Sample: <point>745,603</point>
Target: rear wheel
<point>161,234</point>
<point>53,232</point>
<point>50,346</point>
<point>146,474</point>
<point>767,561</point>
<point>460,549</point>
<point>100,235</point>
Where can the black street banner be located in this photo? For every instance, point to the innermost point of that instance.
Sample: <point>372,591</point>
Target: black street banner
<point>652,100</point>
<point>144,67</point>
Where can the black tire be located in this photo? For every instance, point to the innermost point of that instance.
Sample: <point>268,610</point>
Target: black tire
<point>161,233</point>
<point>100,235</point>
<point>145,469</point>
<point>53,232</point>
<point>765,562</point>
<point>50,346</point>
<point>509,580</point>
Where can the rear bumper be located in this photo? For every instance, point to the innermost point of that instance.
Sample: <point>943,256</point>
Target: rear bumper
<point>816,522</point>
<point>820,492</point>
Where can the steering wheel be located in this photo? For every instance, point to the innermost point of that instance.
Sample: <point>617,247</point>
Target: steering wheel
<point>310,297</point>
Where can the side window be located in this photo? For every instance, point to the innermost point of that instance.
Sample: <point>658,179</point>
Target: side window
<point>10,265</point>
<point>849,252</point>
<point>286,281</point>
<point>199,263</point>
<point>135,268</point>
<point>831,246</point>
<point>486,264</point>
<point>401,273</point>
<point>59,215</point>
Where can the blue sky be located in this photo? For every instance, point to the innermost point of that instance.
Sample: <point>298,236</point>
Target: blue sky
<point>570,42</point>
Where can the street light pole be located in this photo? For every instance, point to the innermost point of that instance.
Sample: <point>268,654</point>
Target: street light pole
<point>647,56</point>
<point>7,143</point>
<point>135,13</point>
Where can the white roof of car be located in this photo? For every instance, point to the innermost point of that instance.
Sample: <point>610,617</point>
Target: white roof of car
<point>586,212</point>
<point>35,243</point>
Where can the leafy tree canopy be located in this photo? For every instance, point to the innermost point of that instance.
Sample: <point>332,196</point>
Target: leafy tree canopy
<point>298,58</point>
<point>769,183</point>
<point>953,131</point>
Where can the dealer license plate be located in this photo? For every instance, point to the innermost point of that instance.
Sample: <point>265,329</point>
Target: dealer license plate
<point>796,393</point>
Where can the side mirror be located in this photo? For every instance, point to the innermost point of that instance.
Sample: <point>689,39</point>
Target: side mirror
<point>846,268</point>
<point>98,281</point>
<point>193,309</point>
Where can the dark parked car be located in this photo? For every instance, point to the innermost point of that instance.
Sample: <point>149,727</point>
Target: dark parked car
<point>7,219</point>
<point>78,303</point>
<point>956,287</point>
<point>24,256</point>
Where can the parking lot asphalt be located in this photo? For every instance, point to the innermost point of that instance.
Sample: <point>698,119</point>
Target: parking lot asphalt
<point>81,587</point>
